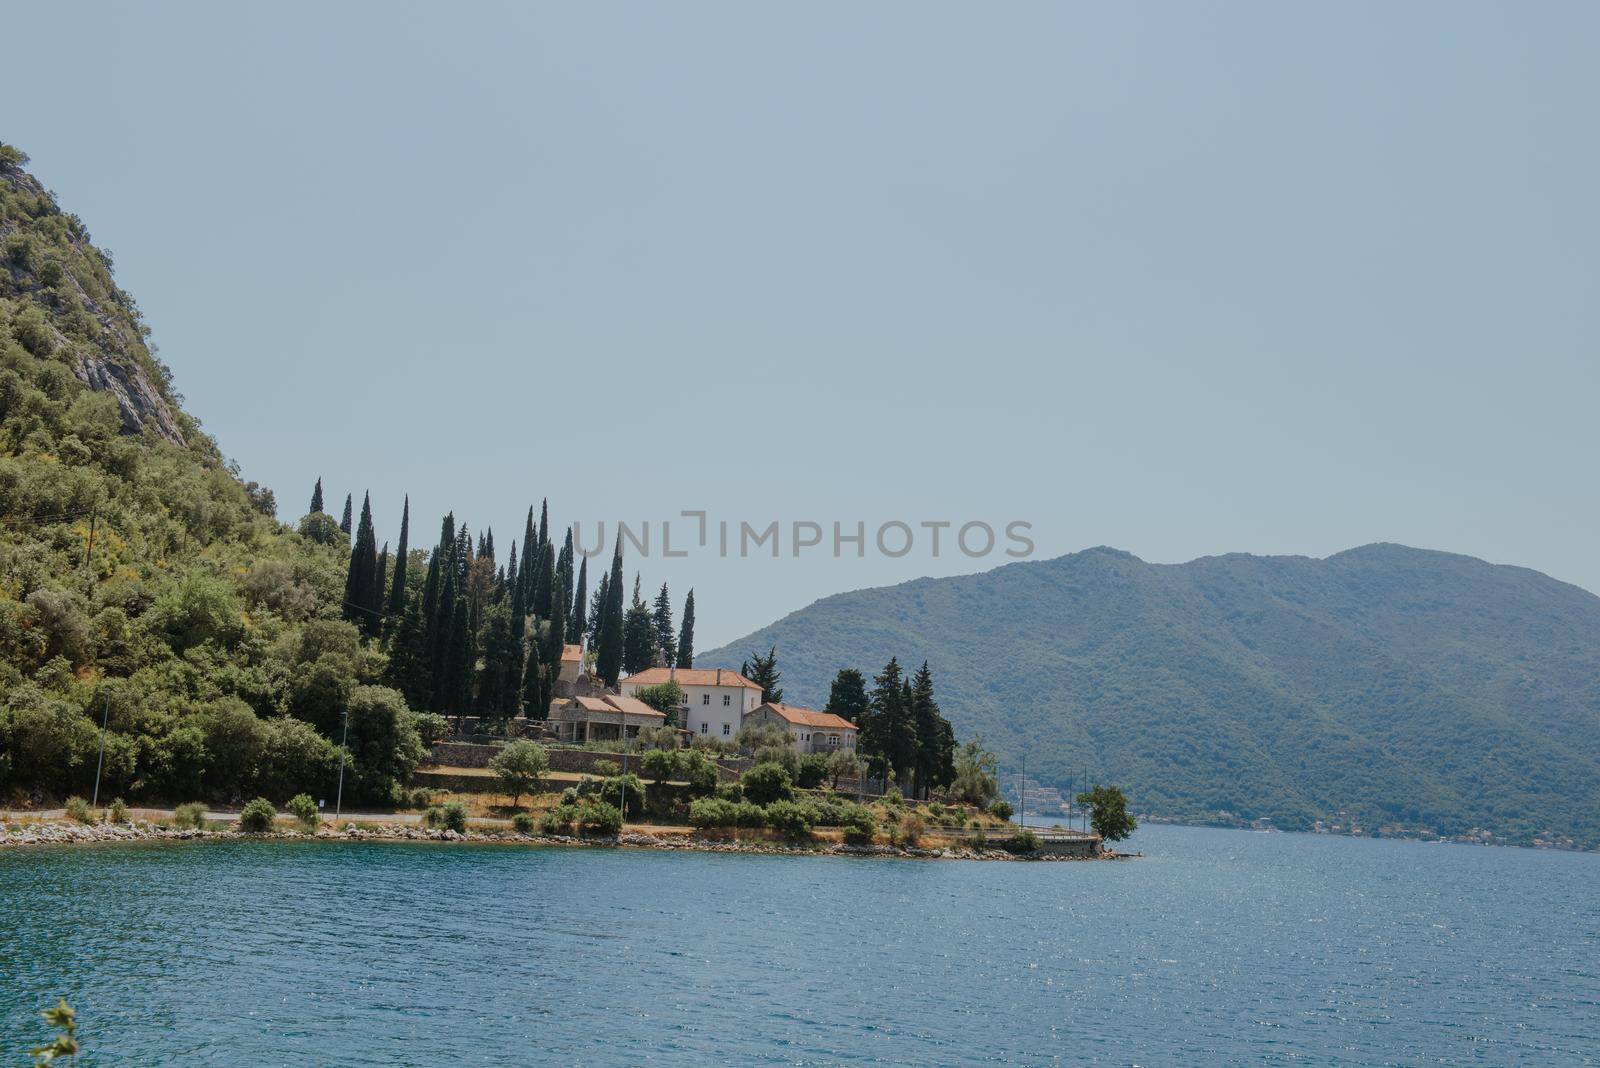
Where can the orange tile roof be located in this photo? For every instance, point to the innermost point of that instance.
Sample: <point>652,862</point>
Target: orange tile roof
<point>611,704</point>
<point>691,677</point>
<point>808,717</point>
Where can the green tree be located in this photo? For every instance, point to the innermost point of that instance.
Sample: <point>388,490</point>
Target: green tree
<point>638,635</point>
<point>362,593</point>
<point>847,697</point>
<point>977,772</point>
<point>666,634</point>
<point>766,783</point>
<point>1108,812</point>
<point>608,657</point>
<point>666,698</point>
<point>578,621</point>
<point>316,497</point>
<point>934,762</point>
<point>686,634</point>
<point>397,591</point>
<point>763,671</point>
<point>349,514</point>
<point>520,767</point>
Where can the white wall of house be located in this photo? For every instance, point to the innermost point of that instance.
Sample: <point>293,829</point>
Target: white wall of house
<point>714,711</point>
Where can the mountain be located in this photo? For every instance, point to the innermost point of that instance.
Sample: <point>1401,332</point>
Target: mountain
<point>1407,688</point>
<point>142,584</point>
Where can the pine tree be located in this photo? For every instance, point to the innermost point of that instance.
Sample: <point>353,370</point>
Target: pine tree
<point>877,732</point>
<point>666,634</point>
<point>763,671</point>
<point>609,655</point>
<point>925,720</point>
<point>316,497</point>
<point>344,524</point>
<point>847,697</point>
<point>397,591</point>
<point>903,737</point>
<point>686,634</point>
<point>408,657</point>
<point>577,621</point>
<point>638,635</point>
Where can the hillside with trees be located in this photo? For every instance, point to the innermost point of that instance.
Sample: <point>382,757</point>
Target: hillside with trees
<point>1406,689</point>
<point>146,588</point>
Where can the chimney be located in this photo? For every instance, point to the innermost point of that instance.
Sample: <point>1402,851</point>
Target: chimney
<point>719,676</point>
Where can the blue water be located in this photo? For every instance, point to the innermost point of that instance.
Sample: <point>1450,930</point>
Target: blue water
<point>1217,947</point>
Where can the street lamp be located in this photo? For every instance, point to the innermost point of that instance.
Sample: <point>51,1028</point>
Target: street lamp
<point>344,742</point>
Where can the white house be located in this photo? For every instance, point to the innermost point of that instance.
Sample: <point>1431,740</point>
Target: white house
<point>813,731</point>
<point>716,700</point>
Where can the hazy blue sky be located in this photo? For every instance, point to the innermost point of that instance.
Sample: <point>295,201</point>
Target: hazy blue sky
<point>1179,278</point>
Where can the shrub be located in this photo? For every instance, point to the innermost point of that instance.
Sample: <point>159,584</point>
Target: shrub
<point>450,816</point>
<point>658,765</point>
<point>599,818</point>
<point>749,814</point>
<point>605,768</point>
<point>560,819</point>
<point>118,812</point>
<point>257,816</point>
<point>713,812</point>
<point>431,727</point>
<point>813,770</point>
<point>627,787</point>
<point>523,823</point>
<point>1000,808</point>
<point>519,767</point>
<point>766,783</point>
<point>78,809</point>
<point>305,811</point>
<point>908,831</point>
<point>859,825</point>
<point>794,818</point>
<point>1024,841</point>
<point>730,791</point>
<point>189,814</point>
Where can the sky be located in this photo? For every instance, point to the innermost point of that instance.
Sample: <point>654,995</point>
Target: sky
<point>1182,279</point>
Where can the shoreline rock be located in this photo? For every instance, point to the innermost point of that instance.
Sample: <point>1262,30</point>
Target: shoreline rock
<point>64,832</point>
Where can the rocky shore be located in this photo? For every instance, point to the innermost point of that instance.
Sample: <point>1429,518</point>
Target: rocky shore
<point>65,832</point>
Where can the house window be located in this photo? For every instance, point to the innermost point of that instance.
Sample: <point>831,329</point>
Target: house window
<point>704,727</point>
<point>833,739</point>
<point>727,699</point>
<point>705,699</point>
<point>727,729</point>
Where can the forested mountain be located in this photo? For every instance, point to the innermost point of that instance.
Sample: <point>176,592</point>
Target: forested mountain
<point>1408,688</point>
<point>144,586</point>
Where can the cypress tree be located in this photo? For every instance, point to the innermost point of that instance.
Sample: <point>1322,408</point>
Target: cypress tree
<point>361,599</point>
<point>666,634</point>
<point>555,640</point>
<point>316,497</point>
<point>564,566</point>
<point>597,609</point>
<point>577,621</point>
<point>544,523</point>
<point>847,697</point>
<point>533,680</point>
<point>903,738</point>
<point>546,581</point>
<point>511,573</point>
<point>381,589</point>
<point>344,524</point>
<point>487,552</point>
<point>686,634</point>
<point>397,592</point>
<point>608,660</point>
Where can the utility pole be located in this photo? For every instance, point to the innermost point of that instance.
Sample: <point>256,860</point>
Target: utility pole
<point>1022,791</point>
<point>100,761</point>
<point>88,550</point>
<point>344,742</point>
